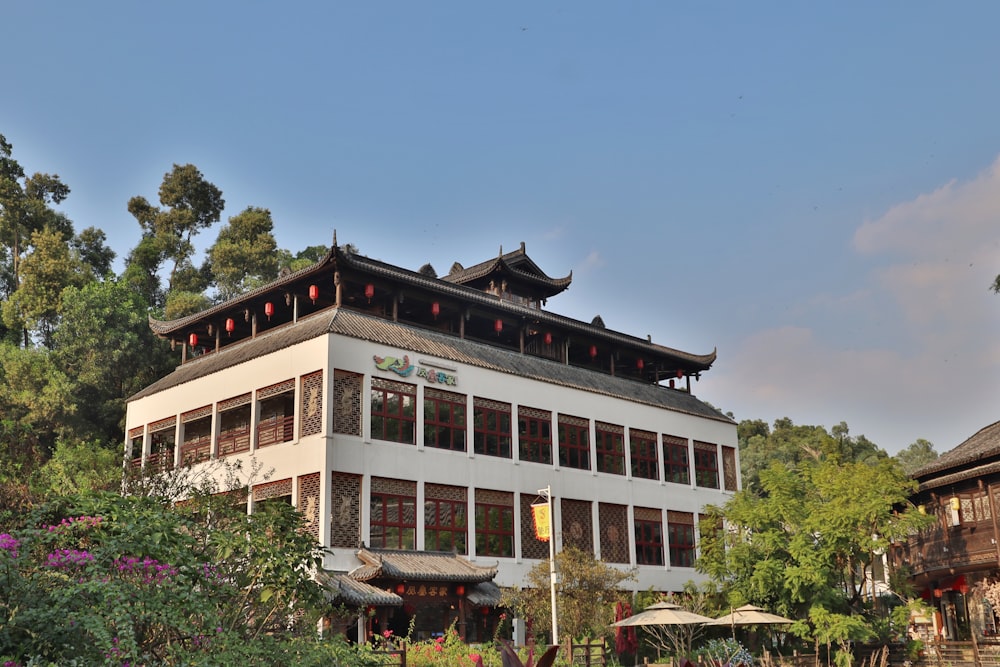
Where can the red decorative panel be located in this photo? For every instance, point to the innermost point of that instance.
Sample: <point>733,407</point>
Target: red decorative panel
<point>615,533</point>
<point>275,389</point>
<point>272,490</point>
<point>311,410</point>
<point>577,525</point>
<point>191,415</point>
<point>347,402</point>
<point>345,511</point>
<point>308,503</point>
<point>730,473</point>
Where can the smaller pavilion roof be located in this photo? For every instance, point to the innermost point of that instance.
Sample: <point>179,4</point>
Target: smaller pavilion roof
<point>982,448</point>
<point>516,264</point>
<point>419,566</point>
<point>341,587</point>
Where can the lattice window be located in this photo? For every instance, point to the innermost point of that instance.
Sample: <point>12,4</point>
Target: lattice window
<point>531,546</point>
<point>577,525</point>
<point>446,518</point>
<point>276,413</point>
<point>444,420</point>
<point>648,536</point>
<point>345,510</point>
<point>610,448</point>
<point>308,503</point>
<point>197,443</point>
<point>136,440</point>
<point>494,523</point>
<point>645,462</point>
<point>234,425</point>
<point>730,473</point>
<point>534,428</point>
<point>706,465</point>
<point>162,444</point>
<point>271,490</point>
<point>347,402</point>
<point>393,514</point>
<point>394,416</point>
<point>491,427</point>
<point>311,420</point>
<point>614,532</point>
<point>574,442</point>
<point>680,537</point>
<point>676,464</point>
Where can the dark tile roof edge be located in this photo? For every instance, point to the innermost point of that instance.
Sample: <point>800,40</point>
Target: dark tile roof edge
<point>984,444</point>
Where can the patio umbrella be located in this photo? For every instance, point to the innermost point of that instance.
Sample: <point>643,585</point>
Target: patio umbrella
<point>750,615</point>
<point>663,613</point>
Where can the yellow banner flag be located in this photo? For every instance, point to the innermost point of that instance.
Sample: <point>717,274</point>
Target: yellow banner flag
<point>540,512</point>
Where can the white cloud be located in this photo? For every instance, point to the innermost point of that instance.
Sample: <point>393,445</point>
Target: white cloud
<point>933,259</point>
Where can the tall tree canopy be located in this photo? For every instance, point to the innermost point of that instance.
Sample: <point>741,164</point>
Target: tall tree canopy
<point>244,255</point>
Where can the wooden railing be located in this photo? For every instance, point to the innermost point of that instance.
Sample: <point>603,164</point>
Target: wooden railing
<point>273,431</point>
<point>234,440</point>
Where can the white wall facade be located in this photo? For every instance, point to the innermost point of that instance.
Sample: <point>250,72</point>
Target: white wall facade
<point>361,455</point>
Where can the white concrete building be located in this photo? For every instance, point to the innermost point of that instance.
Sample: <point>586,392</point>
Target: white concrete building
<point>413,419</point>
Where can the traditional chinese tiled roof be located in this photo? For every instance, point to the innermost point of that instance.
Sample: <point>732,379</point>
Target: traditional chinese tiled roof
<point>518,265</point>
<point>413,340</point>
<point>419,566</point>
<point>981,449</point>
<point>484,594</point>
<point>341,587</point>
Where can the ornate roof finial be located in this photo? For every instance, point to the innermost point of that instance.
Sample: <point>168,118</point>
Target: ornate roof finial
<point>334,237</point>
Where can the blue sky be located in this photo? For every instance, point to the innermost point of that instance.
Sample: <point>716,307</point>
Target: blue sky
<point>810,188</point>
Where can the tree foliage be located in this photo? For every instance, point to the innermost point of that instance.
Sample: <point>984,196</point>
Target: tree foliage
<point>918,454</point>
<point>587,592</point>
<point>244,254</point>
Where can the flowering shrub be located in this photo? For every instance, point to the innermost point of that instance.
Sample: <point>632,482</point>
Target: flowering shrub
<point>9,544</point>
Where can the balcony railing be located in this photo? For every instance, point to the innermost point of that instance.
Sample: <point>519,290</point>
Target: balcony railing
<point>275,430</point>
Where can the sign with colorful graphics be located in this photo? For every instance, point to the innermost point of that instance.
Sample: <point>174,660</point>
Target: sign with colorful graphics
<point>540,512</point>
<point>403,368</point>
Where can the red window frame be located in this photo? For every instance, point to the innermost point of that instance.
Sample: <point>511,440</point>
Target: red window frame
<point>197,445</point>
<point>444,420</point>
<point>610,448</point>
<point>494,530</point>
<point>234,430</point>
<point>645,461</point>
<point>648,542</point>
<point>446,525</point>
<point>534,436</point>
<point>706,468</point>
<point>681,539</point>
<point>574,443</point>
<point>276,419</point>
<point>491,430</point>
<point>403,527</point>
<point>393,412</point>
<point>676,460</point>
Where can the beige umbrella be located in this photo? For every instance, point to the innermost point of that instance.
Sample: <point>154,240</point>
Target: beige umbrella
<point>750,615</point>
<point>663,613</point>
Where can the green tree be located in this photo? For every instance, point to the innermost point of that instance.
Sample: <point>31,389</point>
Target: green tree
<point>90,247</point>
<point>244,255</point>
<point>107,350</point>
<point>918,454</point>
<point>50,267</point>
<point>587,592</point>
<point>191,204</point>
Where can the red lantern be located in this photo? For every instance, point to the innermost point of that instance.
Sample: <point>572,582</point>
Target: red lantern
<point>548,338</point>
<point>269,309</point>
<point>435,309</point>
<point>486,611</point>
<point>193,340</point>
<point>313,293</point>
<point>369,291</point>
<point>400,589</point>
<point>639,364</point>
<point>498,325</point>
<point>593,351</point>
<point>680,373</point>
<point>230,325</point>
<point>460,590</point>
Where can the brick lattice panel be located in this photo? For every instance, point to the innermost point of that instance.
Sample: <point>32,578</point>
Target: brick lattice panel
<point>311,411</point>
<point>234,402</point>
<point>309,502</point>
<point>615,533</point>
<point>397,487</point>
<point>577,525</point>
<point>191,415</point>
<point>605,427</point>
<point>275,389</point>
<point>531,546</point>
<point>648,514</point>
<point>135,432</point>
<point>705,447</point>
<point>272,490</point>
<point>345,511</point>
<point>446,492</point>
<point>534,413</point>
<point>729,471</point>
<point>440,395</point>
<point>347,403</point>
<point>490,404</point>
<point>676,518</point>
<point>495,497</point>
<point>570,420</point>
<point>169,422</point>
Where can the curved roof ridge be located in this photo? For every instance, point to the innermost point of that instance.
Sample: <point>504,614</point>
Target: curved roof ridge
<point>984,443</point>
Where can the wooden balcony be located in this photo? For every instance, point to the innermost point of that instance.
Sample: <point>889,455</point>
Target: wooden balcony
<point>234,440</point>
<point>958,548</point>
<point>275,430</point>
